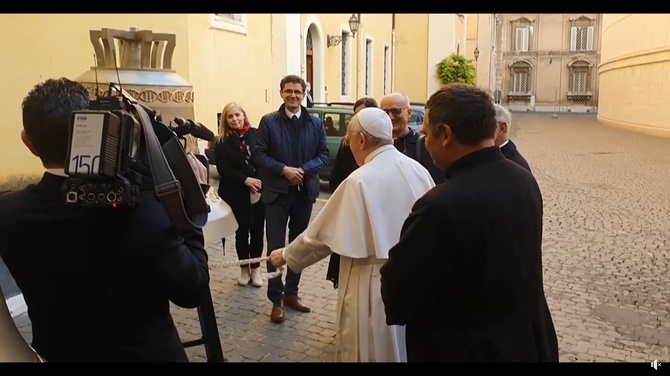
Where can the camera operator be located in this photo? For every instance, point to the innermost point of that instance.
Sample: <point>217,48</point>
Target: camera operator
<point>97,281</point>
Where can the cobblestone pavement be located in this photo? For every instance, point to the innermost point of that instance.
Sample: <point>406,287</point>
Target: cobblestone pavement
<point>606,255</point>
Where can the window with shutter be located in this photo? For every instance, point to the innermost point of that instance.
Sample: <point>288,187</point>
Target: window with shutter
<point>590,31</point>
<point>520,78</point>
<point>582,34</point>
<point>579,82</point>
<point>522,39</point>
<point>345,68</point>
<point>520,82</point>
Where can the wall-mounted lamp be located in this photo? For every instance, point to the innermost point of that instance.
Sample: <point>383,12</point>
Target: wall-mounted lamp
<point>476,53</point>
<point>354,24</point>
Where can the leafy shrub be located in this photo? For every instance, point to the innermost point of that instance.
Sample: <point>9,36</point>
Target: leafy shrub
<point>455,69</point>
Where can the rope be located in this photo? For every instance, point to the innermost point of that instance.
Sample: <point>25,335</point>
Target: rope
<point>268,275</point>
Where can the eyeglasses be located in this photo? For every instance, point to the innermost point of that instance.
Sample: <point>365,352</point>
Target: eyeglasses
<point>294,92</point>
<point>394,111</point>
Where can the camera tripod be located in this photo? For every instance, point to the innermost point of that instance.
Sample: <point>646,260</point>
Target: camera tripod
<point>209,330</point>
<point>207,317</point>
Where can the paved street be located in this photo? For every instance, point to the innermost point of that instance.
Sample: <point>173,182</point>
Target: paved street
<point>606,255</point>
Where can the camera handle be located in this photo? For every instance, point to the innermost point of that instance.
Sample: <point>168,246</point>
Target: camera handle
<point>168,189</point>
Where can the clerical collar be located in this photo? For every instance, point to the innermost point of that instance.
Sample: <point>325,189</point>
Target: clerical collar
<point>476,158</point>
<point>378,151</point>
<point>504,143</point>
<point>57,172</point>
<point>409,130</point>
<point>291,114</point>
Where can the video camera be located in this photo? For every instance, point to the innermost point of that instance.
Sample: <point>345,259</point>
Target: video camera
<point>120,153</point>
<point>181,127</point>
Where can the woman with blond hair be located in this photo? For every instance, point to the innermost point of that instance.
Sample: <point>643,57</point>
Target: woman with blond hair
<point>240,187</point>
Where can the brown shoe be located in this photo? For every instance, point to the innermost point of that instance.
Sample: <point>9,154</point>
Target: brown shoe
<point>277,315</point>
<point>294,302</point>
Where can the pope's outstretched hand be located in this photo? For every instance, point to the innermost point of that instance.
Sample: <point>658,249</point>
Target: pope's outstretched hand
<point>277,258</point>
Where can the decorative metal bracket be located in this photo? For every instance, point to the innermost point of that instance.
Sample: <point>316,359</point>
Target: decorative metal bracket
<point>334,40</point>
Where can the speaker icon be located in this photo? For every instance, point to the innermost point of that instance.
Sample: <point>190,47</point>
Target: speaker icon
<point>655,364</point>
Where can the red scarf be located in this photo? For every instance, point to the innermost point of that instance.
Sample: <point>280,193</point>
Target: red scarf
<point>242,131</point>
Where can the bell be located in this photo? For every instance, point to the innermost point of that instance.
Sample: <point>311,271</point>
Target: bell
<point>143,69</point>
<point>140,61</point>
<point>13,348</point>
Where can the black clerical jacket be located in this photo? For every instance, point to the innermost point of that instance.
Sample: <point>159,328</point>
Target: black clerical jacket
<point>466,276</point>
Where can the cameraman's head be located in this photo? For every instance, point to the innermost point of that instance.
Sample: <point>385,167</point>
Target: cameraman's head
<point>46,118</point>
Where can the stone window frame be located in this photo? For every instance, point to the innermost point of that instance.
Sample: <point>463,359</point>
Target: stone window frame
<point>580,65</point>
<point>522,66</point>
<point>588,23</point>
<point>516,27</point>
<point>233,22</point>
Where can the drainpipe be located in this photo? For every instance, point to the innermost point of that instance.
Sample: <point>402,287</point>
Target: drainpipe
<point>393,41</point>
<point>358,59</point>
<point>494,53</point>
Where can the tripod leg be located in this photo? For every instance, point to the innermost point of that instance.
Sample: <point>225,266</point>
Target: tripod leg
<point>210,331</point>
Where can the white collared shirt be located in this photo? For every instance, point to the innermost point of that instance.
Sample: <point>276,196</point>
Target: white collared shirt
<point>504,143</point>
<point>291,114</point>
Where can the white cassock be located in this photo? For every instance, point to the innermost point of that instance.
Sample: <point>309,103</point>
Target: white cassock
<point>361,221</point>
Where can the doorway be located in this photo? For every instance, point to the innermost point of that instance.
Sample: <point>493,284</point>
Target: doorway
<point>309,61</point>
<point>313,57</point>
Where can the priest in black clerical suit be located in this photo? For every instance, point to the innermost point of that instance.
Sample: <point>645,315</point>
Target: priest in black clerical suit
<point>508,148</point>
<point>466,276</point>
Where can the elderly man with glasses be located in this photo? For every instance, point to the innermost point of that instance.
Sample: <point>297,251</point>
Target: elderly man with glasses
<point>408,142</point>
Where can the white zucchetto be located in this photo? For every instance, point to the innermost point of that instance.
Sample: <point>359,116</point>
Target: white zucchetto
<point>374,121</point>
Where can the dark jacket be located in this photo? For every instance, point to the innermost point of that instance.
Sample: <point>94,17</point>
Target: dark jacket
<point>482,229</point>
<point>234,168</point>
<point>344,165</point>
<point>279,140</point>
<point>510,152</point>
<point>408,145</point>
<point>98,281</point>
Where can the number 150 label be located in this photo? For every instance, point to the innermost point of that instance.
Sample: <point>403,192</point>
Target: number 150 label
<point>86,144</point>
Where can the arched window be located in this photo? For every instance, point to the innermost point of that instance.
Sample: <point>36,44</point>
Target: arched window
<point>520,77</point>
<point>580,71</point>
<point>308,41</point>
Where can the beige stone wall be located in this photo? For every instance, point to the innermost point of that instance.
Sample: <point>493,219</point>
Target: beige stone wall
<point>549,61</point>
<point>635,72</point>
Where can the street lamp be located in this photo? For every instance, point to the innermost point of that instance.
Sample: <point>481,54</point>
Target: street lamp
<point>476,52</point>
<point>354,24</point>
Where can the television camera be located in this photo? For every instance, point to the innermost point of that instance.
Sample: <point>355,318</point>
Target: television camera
<point>120,153</point>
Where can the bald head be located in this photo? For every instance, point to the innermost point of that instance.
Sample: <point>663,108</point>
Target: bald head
<point>396,99</point>
<point>504,121</point>
<point>397,106</point>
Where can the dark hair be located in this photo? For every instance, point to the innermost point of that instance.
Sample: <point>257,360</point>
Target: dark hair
<point>46,117</point>
<point>367,102</point>
<point>292,79</point>
<point>466,109</point>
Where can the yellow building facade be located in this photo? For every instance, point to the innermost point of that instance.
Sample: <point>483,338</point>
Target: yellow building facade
<point>634,72</point>
<point>471,37</point>
<point>421,42</point>
<point>341,65</point>
<point>226,57</point>
<point>212,53</point>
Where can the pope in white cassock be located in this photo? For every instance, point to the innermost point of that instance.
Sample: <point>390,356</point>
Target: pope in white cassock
<point>361,221</point>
